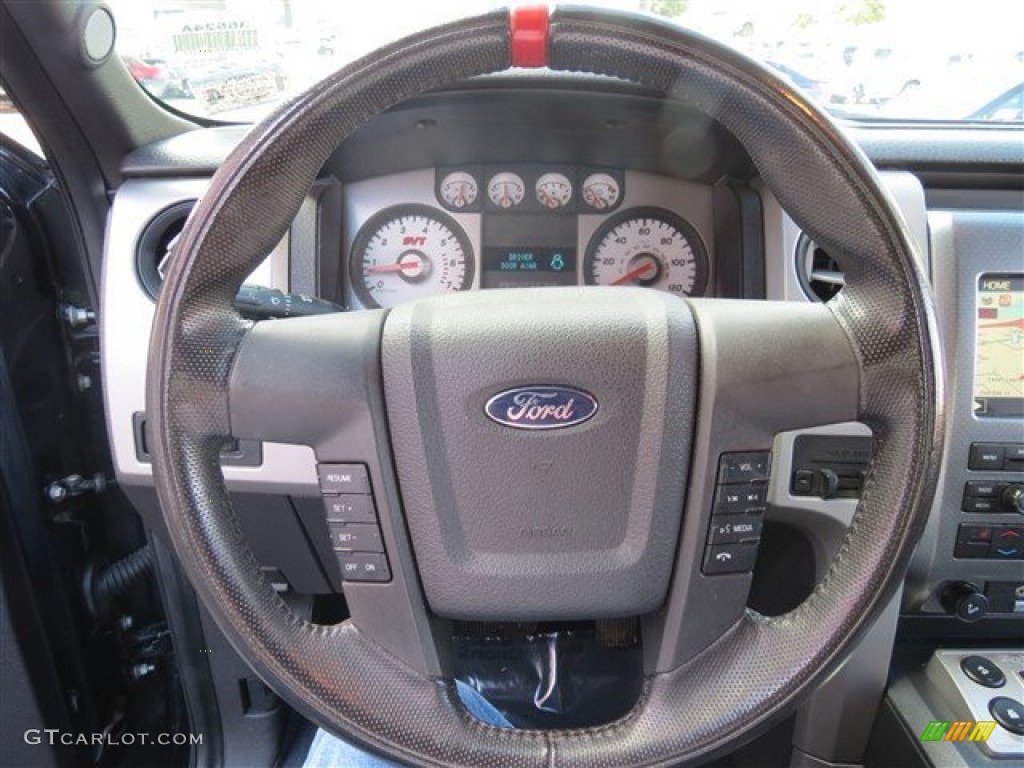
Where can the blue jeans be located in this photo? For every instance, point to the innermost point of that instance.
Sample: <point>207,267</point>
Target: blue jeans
<point>328,751</point>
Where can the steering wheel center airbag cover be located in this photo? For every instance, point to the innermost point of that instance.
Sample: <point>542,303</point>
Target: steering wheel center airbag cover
<point>578,522</point>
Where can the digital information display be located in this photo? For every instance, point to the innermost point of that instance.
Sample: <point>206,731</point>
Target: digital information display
<point>999,347</point>
<point>519,267</point>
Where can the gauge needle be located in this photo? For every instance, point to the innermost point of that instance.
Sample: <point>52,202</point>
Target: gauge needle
<point>399,267</point>
<point>633,274</point>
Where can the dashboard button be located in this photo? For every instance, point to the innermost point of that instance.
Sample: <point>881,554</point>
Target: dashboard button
<point>1009,713</point>
<point>986,456</point>
<point>1007,543</point>
<point>356,537</point>
<point>973,504</point>
<point>349,508</point>
<point>983,671</point>
<point>740,498</point>
<point>735,528</point>
<point>730,558</point>
<point>744,467</point>
<point>982,533</point>
<point>363,566</point>
<point>982,488</point>
<point>343,478</point>
<point>803,482</point>
<point>1014,451</point>
<point>971,550</point>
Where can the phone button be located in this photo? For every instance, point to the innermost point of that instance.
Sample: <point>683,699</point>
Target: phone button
<point>730,558</point>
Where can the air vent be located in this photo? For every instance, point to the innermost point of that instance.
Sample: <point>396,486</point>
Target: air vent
<point>819,274</point>
<point>157,243</point>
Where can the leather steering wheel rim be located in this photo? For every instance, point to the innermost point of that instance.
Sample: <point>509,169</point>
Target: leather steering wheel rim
<point>339,678</point>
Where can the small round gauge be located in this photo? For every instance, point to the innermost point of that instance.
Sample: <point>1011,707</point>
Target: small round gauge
<point>506,190</point>
<point>458,190</point>
<point>600,191</point>
<point>648,247</point>
<point>409,252</point>
<point>553,190</point>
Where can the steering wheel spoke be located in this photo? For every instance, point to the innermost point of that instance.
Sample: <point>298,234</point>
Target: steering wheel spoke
<point>317,381</point>
<point>771,366</point>
<point>765,368</point>
<point>310,380</point>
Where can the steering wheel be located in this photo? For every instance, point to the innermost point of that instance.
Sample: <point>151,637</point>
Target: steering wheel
<point>687,394</point>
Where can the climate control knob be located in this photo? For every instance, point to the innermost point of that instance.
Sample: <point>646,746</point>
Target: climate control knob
<point>1012,498</point>
<point>965,601</point>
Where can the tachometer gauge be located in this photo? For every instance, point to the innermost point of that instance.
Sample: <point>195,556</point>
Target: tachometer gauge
<point>600,191</point>
<point>506,190</point>
<point>648,247</point>
<point>409,252</point>
<point>458,189</point>
<point>553,190</point>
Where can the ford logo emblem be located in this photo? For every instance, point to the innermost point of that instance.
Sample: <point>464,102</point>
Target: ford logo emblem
<point>541,407</point>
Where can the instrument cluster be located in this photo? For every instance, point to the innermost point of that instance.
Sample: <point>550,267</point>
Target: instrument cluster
<point>429,232</point>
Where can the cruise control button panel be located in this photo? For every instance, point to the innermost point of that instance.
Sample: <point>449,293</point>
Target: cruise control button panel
<point>352,522</point>
<point>737,515</point>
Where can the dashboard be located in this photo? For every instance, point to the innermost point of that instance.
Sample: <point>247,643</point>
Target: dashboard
<point>530,181</point>
<point>470,190</point>
<point>431,231</point>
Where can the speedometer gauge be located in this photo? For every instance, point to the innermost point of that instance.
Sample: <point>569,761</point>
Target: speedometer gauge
<point>648,247</point>
<point>409,252</point>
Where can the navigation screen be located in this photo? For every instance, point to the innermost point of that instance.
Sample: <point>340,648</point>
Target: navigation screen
<point>512,267</point>
<point>999,345</point>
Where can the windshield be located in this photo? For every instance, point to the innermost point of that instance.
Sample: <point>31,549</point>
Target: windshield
<point>233,60</point>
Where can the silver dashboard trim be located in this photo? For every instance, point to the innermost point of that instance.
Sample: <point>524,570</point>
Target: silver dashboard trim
<point>126,318</point>
<point>781,233</point>
<point>969,700</point>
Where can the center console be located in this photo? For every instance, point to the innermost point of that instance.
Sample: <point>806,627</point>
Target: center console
<point>956,697</point>
<point>971,561</point>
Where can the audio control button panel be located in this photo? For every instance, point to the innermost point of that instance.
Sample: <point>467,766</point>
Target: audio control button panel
<point>738,513</point>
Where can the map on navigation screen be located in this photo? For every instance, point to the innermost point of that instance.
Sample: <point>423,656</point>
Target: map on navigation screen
<point>999,356</point>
